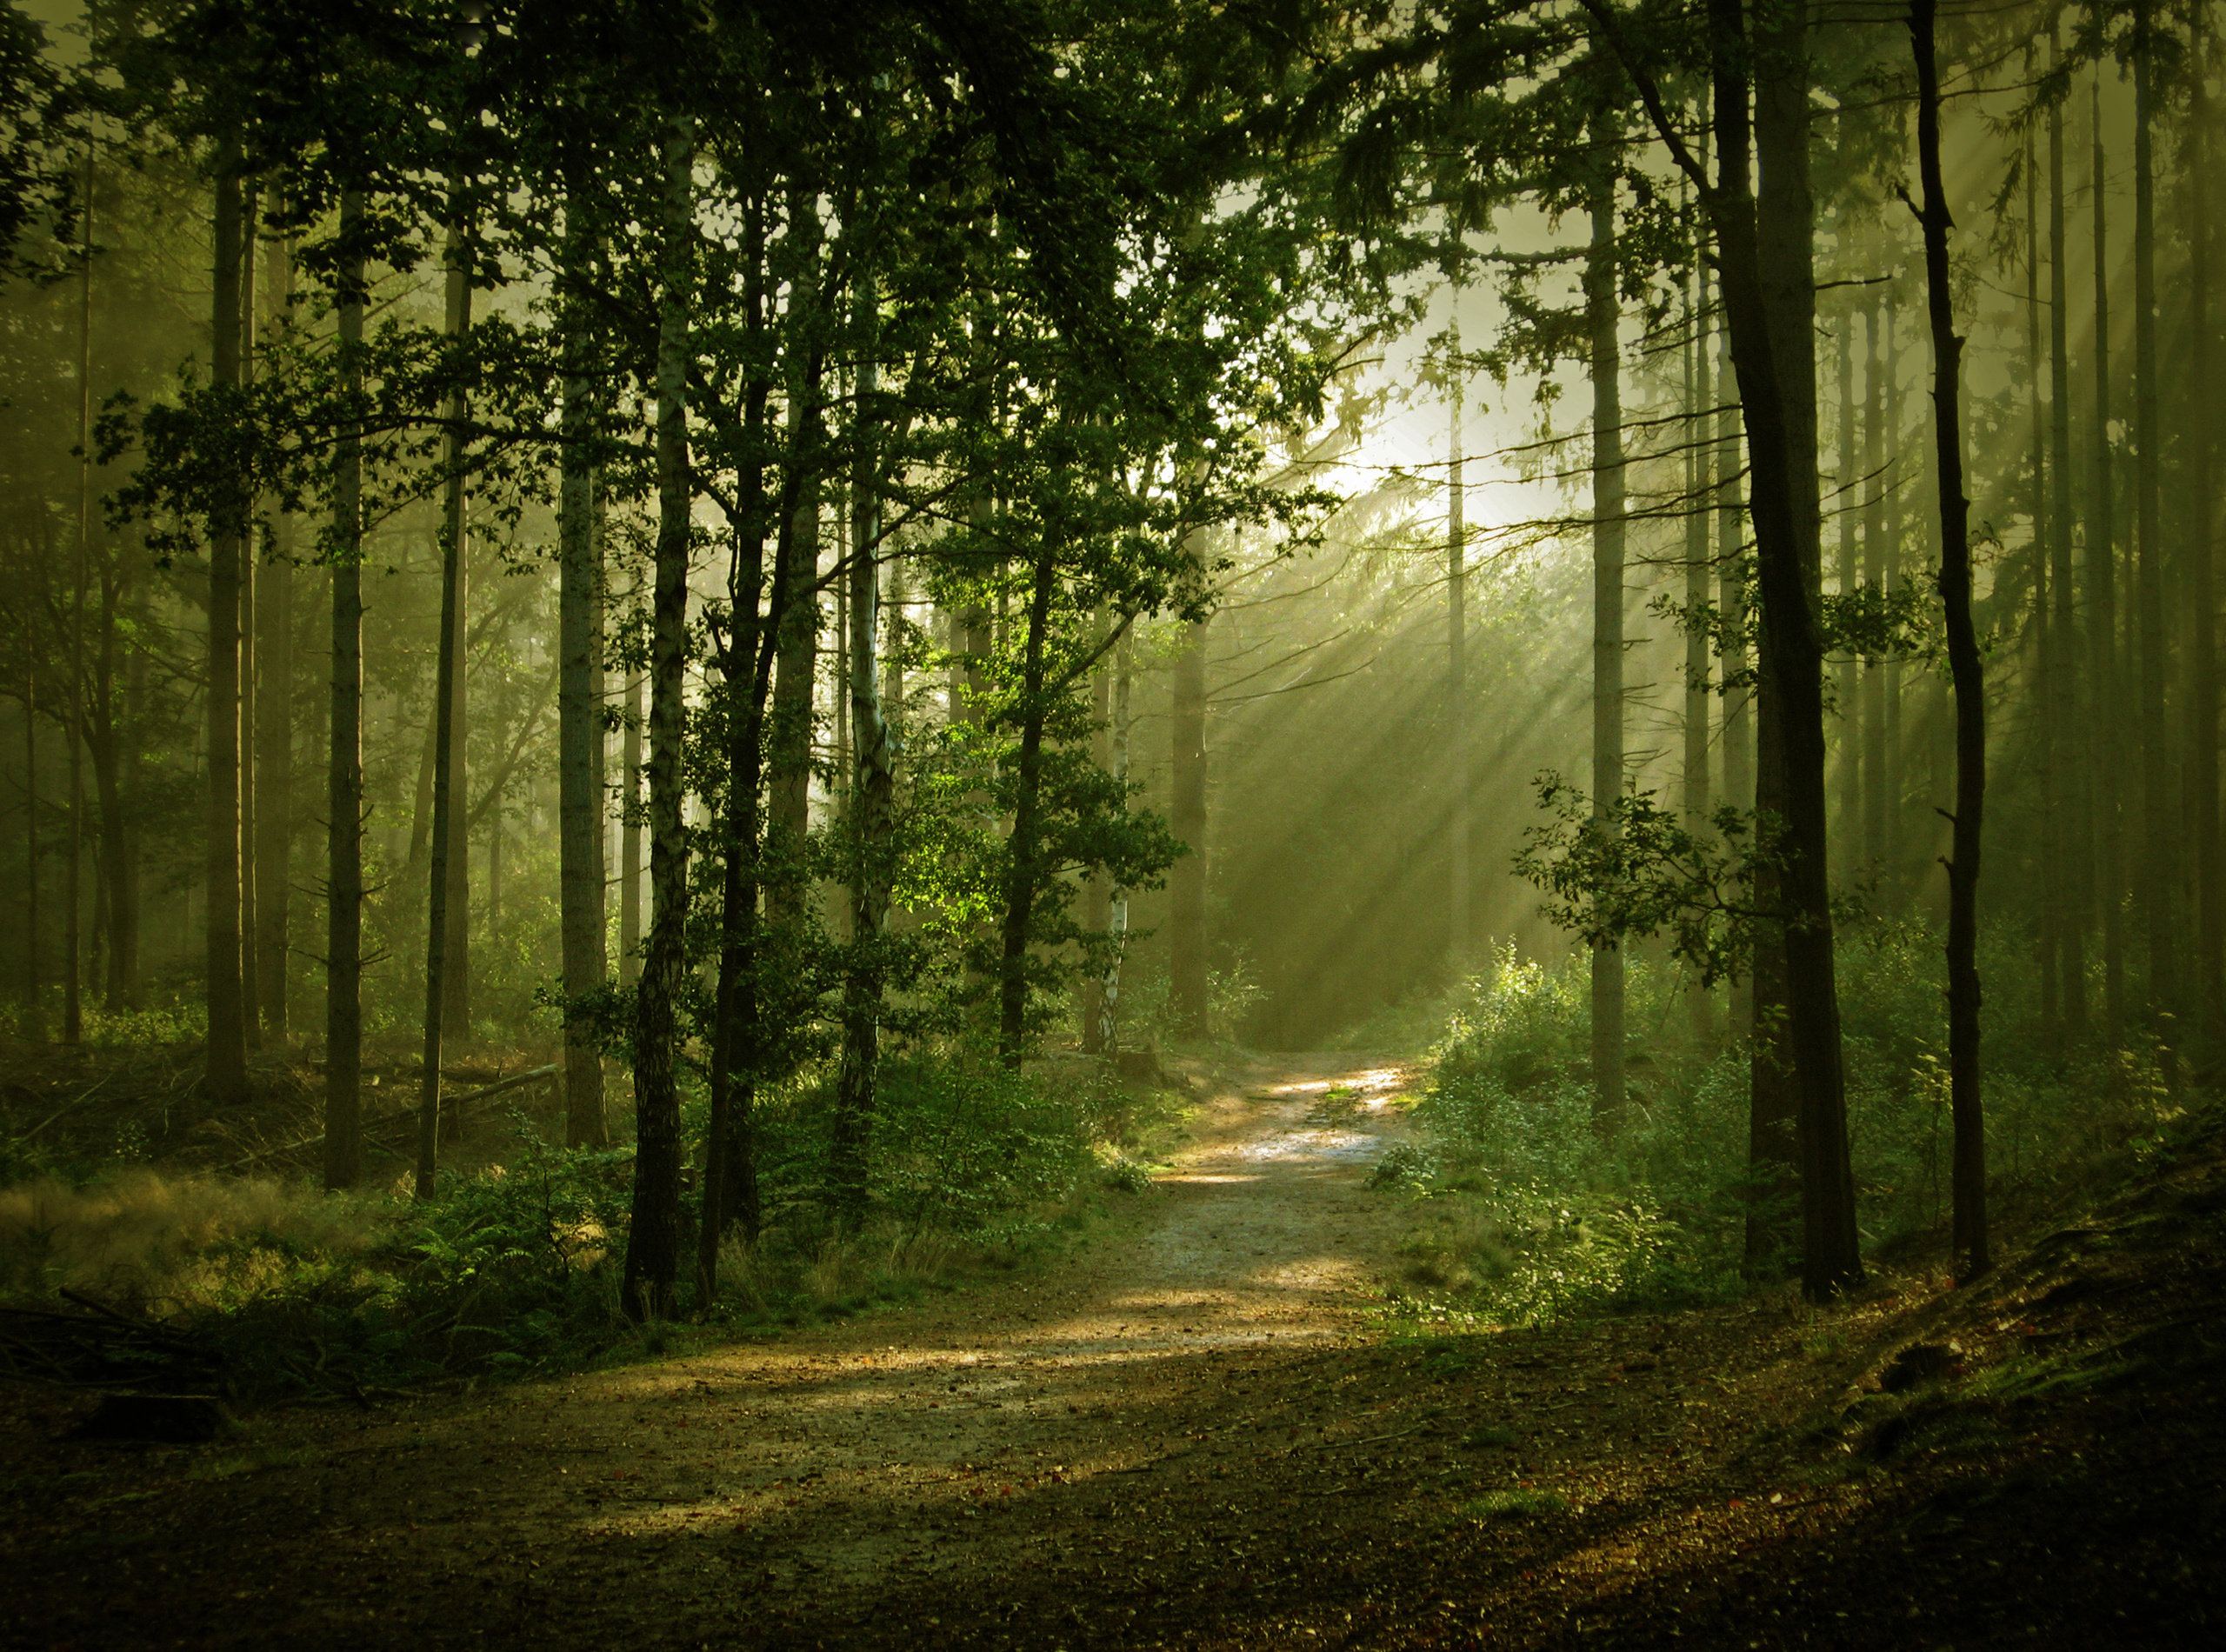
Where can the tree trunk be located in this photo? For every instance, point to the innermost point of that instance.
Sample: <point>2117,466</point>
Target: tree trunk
<point>344,947</point>
<point>1187,998</point>
<point>1460,945</point>
<point>2107,724</point>
<point>73,1013</point>
<point>729,1149</point>
<point>1731,596</point>
<point>227,1008</point>
<point>788,812</point>
<point>1765,246</point>
<point>34,1020</point>
<point>2204,847</point>
<point>2068,707</point>
<point>872,800</point>
<point>1877,840</point>
<point>1695,798</point>
<point>443,957</point>
<point>579,711</point>
<point>653,1240</point>
<point>2047,644</point>
<point>1117,917</point>
<point>1097,890</point>
<point>1894,781</point>
<point>274,704</point>
<point>630,833</point>
<point>1848,671</point>
<point>1602,316</point>
<point>1022,845</point>
<point>2159,856</point>
<point>1965,667</point>
<point>250,665</point>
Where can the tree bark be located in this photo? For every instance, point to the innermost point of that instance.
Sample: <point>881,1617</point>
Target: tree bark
<point>274,705</point>
<point>872,800</point>
<point>1965,669</point>
<point>579,710</point>
<point>1097,890</point>
<point>443,957</point>
<point>1731,597</point>
<point>2107,723</point>
<point>1022,846</point>
<point>2160,846</point>
<point>2205,848</point>
<point>250,663</point>
<point>1188,1005</point>
<point>227,1008</point>
<point>73,1013</point>
<point>2067,706</point>
<point>1877,842</point>
<point>344,947</point>
<point>1696,797</point>
<point>653,1240</point>
<point>1847,671</point>
<point>1460,945</point>
<point>1602,316</point>
<point>629,831</point>
<point>2047,644</point>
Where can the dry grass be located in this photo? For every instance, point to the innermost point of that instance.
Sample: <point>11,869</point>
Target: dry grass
<point>145,1237</point>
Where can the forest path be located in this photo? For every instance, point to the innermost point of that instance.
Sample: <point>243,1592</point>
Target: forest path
<point>1189,1434</point>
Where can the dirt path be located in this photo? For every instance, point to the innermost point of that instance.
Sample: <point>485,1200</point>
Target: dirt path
<point>1191,1434</point>
<point>909,1471</point>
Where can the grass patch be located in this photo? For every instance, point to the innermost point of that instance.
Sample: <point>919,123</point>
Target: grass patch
<point>1521,1502</point>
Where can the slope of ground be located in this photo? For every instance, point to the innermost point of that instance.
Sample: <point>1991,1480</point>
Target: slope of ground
<point>1197,1433</point>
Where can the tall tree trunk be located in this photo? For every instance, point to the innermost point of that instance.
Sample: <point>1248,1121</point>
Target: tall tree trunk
<point>73,1012</point>
<point>1765,244</point>
<point>250,663</point>
<point>1097,889</point>
<point>34,1020</point>
<point>445,958</point>
<point>1848,672</point>
<point>1731,566</point>
<point>1602,316</point>
<point>1117,917</point>
<point>1695,798</point>
<point>274,704</point>
<point>344,946</point>
<point>1878,844</point>
<point>1022,845</point>
<point>2159,856</point>
<point>1965,668</point>
<point>228,1007</point>
<point>1898,744</point>
<point>629,831</point>
<point>2205,847</point>
<point>729,1149</point>
<point>873,789</point>
<point>117,776</point>
<point>579,710</point>
<point>1189,1008</point>
<point>2048,646</point>
<point>2107,724</point>
<point>653,1240</point>
<point>788,820</point>
<point>1460,947</point>
<point>2070,711</point>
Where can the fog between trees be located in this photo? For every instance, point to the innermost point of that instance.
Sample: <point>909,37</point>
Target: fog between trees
<point>999,531</point>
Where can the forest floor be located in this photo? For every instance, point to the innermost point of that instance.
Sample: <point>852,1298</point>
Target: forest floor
<point>1202,1429</point>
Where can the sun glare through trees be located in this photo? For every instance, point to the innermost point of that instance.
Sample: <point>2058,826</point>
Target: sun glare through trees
<point>1025,823</point>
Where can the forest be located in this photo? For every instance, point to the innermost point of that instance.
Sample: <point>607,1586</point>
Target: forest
<point>1027,824</point>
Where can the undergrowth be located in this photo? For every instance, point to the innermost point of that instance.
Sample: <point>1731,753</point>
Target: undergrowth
<point>1529,1207</point>
<point>512,1268</point>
